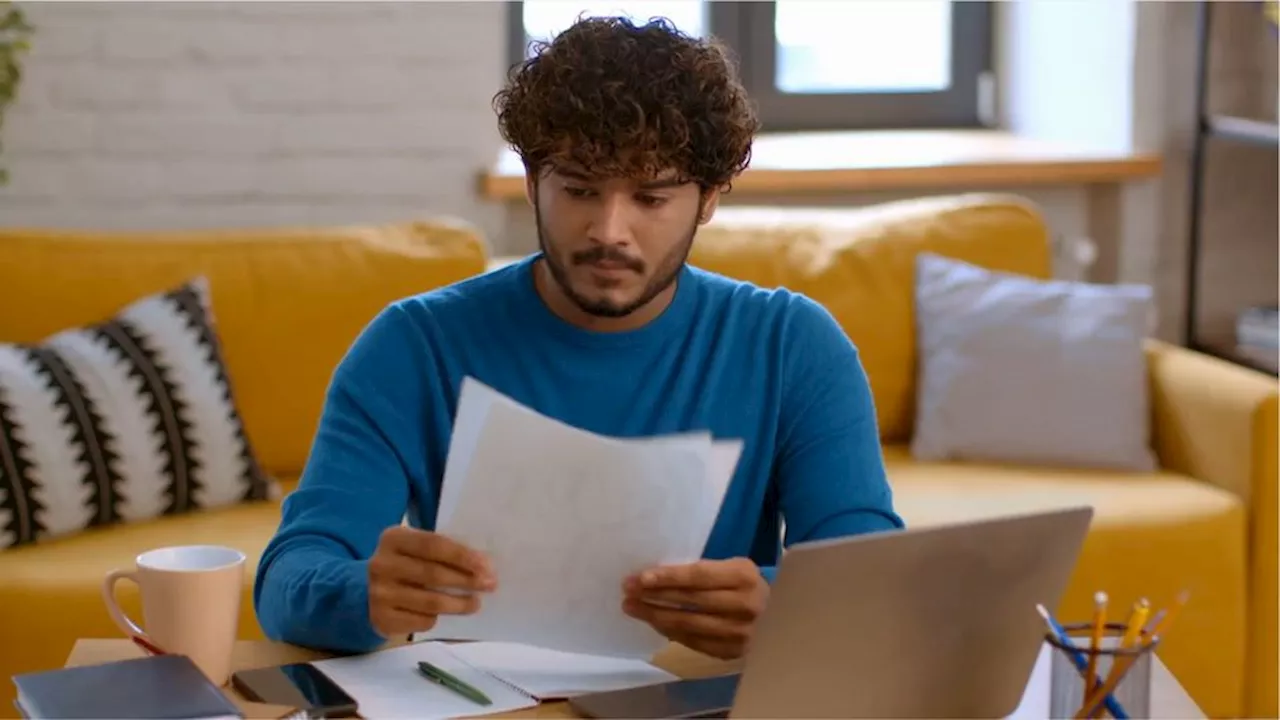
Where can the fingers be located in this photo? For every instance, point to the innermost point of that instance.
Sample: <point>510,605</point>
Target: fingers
<point>730,603</point>
<point>701,575</point>
<point>389,622</point>
<point>420,601</point>
<point>435,548</point>
<point>716,635</point>
<point>416,576</point>
<point>418,573</point>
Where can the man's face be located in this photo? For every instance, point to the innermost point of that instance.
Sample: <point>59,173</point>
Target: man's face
<point>613,245</point>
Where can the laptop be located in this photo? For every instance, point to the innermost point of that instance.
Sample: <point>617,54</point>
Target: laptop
<point>930,622</point>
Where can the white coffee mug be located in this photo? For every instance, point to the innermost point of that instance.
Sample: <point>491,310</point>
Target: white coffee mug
<point>190,603</point>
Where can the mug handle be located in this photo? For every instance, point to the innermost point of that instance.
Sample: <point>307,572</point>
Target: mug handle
<point>122,621</point>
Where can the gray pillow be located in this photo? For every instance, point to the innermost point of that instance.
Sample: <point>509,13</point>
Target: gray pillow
<point>1014,369</point>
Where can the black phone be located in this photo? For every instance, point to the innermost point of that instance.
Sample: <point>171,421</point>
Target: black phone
<point>297,685</point>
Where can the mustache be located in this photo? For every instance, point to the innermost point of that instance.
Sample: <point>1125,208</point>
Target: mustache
<point>601,253</point>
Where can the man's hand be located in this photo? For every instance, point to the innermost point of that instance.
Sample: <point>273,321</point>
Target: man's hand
<point>416,576</point>
<point>710,606</point>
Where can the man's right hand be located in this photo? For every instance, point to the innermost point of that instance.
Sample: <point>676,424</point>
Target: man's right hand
<point>409,574</point>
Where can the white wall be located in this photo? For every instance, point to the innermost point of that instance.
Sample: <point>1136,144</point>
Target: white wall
<point>139,115</point>
<point>205,114</point>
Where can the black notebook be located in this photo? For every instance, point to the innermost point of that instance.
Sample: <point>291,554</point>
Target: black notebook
<point>164,686</point>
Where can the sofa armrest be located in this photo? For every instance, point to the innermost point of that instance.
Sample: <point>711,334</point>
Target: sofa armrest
<point>1217,422</point>
<point>1214,420</point>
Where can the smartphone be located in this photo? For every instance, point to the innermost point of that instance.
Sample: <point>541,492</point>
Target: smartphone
<point>297,685</point>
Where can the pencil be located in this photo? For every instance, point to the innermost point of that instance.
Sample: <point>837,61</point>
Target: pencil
<point>1095,639</point>
<point>1161,626</point>
<point>1154,631</point>
<point>1120,663</point>
<point>1078,659</point>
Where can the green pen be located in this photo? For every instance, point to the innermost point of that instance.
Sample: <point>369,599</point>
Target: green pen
<point>446,680</point>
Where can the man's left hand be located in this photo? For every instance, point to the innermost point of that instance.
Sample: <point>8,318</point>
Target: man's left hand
<point>710,606</point>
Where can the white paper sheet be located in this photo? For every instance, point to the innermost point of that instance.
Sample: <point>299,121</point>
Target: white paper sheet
<point>551,675</point>
<point>474,401</point>
<point>387,684</point>
<point>565,515</point>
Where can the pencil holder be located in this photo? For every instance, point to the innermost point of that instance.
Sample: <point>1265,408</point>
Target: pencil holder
<point>1067,694</point>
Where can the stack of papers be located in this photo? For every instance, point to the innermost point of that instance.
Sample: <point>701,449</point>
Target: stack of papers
<point>565,515</point>
<point>386,684</point>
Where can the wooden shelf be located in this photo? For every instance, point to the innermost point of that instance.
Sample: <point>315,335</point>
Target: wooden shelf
<point>860,161</point>
<point>1241,129</point>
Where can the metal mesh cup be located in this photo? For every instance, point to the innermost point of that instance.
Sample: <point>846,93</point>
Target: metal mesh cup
<point>1066,686</point>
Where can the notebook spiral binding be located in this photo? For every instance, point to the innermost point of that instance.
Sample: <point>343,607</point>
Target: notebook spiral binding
<point>488,674</point>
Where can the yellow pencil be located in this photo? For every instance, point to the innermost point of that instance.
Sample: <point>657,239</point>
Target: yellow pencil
<point>1119,663</point>
<point>1095,640</point>
<point>1162,626</point>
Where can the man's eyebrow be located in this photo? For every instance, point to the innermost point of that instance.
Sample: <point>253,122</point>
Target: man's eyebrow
<point>658,184</point>
<point>573,175</point>
<point>664,183</point>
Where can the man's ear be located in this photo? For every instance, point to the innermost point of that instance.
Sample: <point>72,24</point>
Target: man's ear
<point>710,201</point>
<point>530,187</point>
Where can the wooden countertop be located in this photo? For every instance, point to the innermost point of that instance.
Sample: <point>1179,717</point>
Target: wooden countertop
<point>859,161</point>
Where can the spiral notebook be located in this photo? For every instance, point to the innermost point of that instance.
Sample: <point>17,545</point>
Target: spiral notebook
<point>386,684</point>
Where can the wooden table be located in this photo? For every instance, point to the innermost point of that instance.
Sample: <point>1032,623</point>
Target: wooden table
<point>675,659</point>
<point>1168,699</point>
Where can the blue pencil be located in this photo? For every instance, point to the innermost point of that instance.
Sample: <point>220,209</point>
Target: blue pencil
<point>1082,664</point>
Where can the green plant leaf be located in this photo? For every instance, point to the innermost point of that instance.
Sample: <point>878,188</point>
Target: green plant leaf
<point>15,32</point>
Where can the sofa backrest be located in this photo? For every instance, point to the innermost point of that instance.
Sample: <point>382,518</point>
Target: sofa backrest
<point>288,302</point>
<point>860,264</point>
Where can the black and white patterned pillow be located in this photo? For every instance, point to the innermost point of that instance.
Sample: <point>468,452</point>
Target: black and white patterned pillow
<point>122,421</point>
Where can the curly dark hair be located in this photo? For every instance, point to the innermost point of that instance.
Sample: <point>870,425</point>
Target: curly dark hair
<point>617,99</point>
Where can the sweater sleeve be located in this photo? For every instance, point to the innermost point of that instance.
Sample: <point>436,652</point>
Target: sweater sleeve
<point>312,586</point>
<point>830,466</point>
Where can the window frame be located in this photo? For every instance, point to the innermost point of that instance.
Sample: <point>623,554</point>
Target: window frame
<point>747,28</point>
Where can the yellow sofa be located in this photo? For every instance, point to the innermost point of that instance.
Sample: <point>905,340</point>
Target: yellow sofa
<point>288,302</point>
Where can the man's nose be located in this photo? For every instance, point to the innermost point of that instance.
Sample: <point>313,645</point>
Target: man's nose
<point>611,222</point>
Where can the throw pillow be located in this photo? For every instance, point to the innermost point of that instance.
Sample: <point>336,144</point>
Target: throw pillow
<point>1014,369</point>
<point>126,420</point>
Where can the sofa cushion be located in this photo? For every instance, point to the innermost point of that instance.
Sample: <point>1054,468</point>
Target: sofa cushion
<point>288,301</point>
<point>1040,372</point>
<point>1153,535</point>
<point>51,594</point>
<point>860,264</point>
<point>121,421</point>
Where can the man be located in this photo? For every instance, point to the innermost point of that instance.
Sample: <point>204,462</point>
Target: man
<point>628,135</point>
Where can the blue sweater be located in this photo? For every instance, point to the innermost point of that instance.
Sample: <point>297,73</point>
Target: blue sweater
<point>768,366</point>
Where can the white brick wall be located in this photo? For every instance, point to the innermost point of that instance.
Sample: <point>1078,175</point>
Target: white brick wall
<point>181,114</point>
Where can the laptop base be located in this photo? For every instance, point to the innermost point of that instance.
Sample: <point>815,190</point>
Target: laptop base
<point>702,698</point>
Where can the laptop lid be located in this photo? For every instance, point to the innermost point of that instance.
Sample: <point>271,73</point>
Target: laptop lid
<point>924,622</point>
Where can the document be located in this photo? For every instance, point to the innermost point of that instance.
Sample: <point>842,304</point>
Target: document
<point>565,515</point>
<point>554,675</point>
<point>387,684</point>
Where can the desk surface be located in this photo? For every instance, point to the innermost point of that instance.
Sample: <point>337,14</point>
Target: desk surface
<point>1168,699</point>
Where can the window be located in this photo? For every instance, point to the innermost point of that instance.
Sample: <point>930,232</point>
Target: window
<point>820,64</point>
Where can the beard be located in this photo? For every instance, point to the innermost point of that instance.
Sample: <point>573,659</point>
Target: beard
<point>663,277</point>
